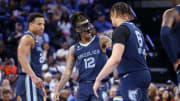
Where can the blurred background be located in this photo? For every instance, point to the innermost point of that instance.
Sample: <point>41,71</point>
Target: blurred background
<point>58,37</point>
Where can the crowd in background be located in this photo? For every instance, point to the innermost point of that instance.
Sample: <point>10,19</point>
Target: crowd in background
<point>55,42</point>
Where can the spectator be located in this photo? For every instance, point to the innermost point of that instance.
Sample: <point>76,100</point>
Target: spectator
<point>62,54</point>
<point>6,84</point>
<point>54,81</point>
<point>58,39</point>
<point>7,95</point>
<point>47,78</point>
<point>13,40</point>
<point>166,96</point>
<point>152,92</point>
<point>160,92</point>
<point>170,87</point>
<point>176,92</point>
<point>64,95</point>
<point>112,93</point>
<point>3,52</point>
<point>101,24</point>
<point>46,52</point>
<point>73,95</point>
<point>44,38</point>
<point>9,68</point>
<point>64,24</point>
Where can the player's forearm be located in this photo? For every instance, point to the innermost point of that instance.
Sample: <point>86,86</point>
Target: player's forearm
<point>25,65</point>
<point>62,82</point>
<point>107,69</point>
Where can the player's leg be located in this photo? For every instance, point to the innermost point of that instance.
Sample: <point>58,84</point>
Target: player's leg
<point>134,86</point>
<point>21,90</point>
<point>37,93</point>
<point>100,98</point>
<point>83,92</point>
<point>102,93</point>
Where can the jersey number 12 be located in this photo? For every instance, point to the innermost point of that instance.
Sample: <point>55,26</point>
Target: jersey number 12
<point>89,62</point>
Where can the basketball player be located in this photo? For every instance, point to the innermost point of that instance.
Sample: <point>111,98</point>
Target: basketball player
<point>128,54</point>
<point>30,86</point>
<point>88,55</point>
<point>170,35</point>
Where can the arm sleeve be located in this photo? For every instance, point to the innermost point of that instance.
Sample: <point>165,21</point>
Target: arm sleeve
<point>121,35</point>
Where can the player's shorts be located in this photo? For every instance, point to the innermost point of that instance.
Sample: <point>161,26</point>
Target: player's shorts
<point>27,91</point>
<point>178,79</point>
<point>133,86</point>
<point>86,93</point>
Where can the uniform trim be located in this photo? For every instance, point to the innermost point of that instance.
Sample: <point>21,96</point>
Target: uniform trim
<point>85,45</point>
<point>28,94</point>
<point>26,89</point>
<point>34,92</point>
<point>118,98</point>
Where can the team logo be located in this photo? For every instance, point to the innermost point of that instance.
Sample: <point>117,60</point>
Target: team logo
<point>135,95</point>
<point>79,47</point>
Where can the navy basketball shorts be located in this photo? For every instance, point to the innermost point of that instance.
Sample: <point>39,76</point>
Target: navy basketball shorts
<point>133,86</point>
<point>86,93</point>
<point>27,91</point>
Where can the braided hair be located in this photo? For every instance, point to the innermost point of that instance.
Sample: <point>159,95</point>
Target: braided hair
<point>77,17</point>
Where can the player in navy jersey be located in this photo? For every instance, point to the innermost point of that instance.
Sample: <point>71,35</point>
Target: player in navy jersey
<point>88,55</point>
<point>128,55</point>
<point>30,85</point>
<point>170,35</point>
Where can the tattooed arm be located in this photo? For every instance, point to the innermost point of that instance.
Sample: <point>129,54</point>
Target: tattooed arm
<point>67,73</point>
<point>105,42</point>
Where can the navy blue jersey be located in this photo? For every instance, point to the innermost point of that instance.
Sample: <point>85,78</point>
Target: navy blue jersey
<point>34,57</point>
<point>176,29</point>
<point>133,58</point>
<point>176,32</point>
<point>89,59</point>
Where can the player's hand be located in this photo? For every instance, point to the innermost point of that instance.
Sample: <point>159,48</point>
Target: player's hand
<point>176,65</point>
<point>38,82</point>
<point>56,96</point>
<point>97,85</point>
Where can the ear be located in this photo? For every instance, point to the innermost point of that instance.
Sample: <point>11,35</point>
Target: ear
<point>30,24</point>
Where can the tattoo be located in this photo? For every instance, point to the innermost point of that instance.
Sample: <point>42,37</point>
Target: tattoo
<point>69,67</point>
<point>105,42</point>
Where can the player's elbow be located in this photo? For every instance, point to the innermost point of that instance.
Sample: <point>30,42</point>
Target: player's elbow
<point>117,60</point>
<point>21,57</point>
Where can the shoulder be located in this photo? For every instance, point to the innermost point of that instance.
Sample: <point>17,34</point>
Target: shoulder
<point>122,28</point>
<point>170,12</point>
<point>27,39</point>
<point>72,49</point>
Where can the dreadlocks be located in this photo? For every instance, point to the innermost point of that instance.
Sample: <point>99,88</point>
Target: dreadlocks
<point>77,17</point>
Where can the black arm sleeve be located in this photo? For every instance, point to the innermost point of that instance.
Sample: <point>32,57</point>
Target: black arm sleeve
<point>121,35</point>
